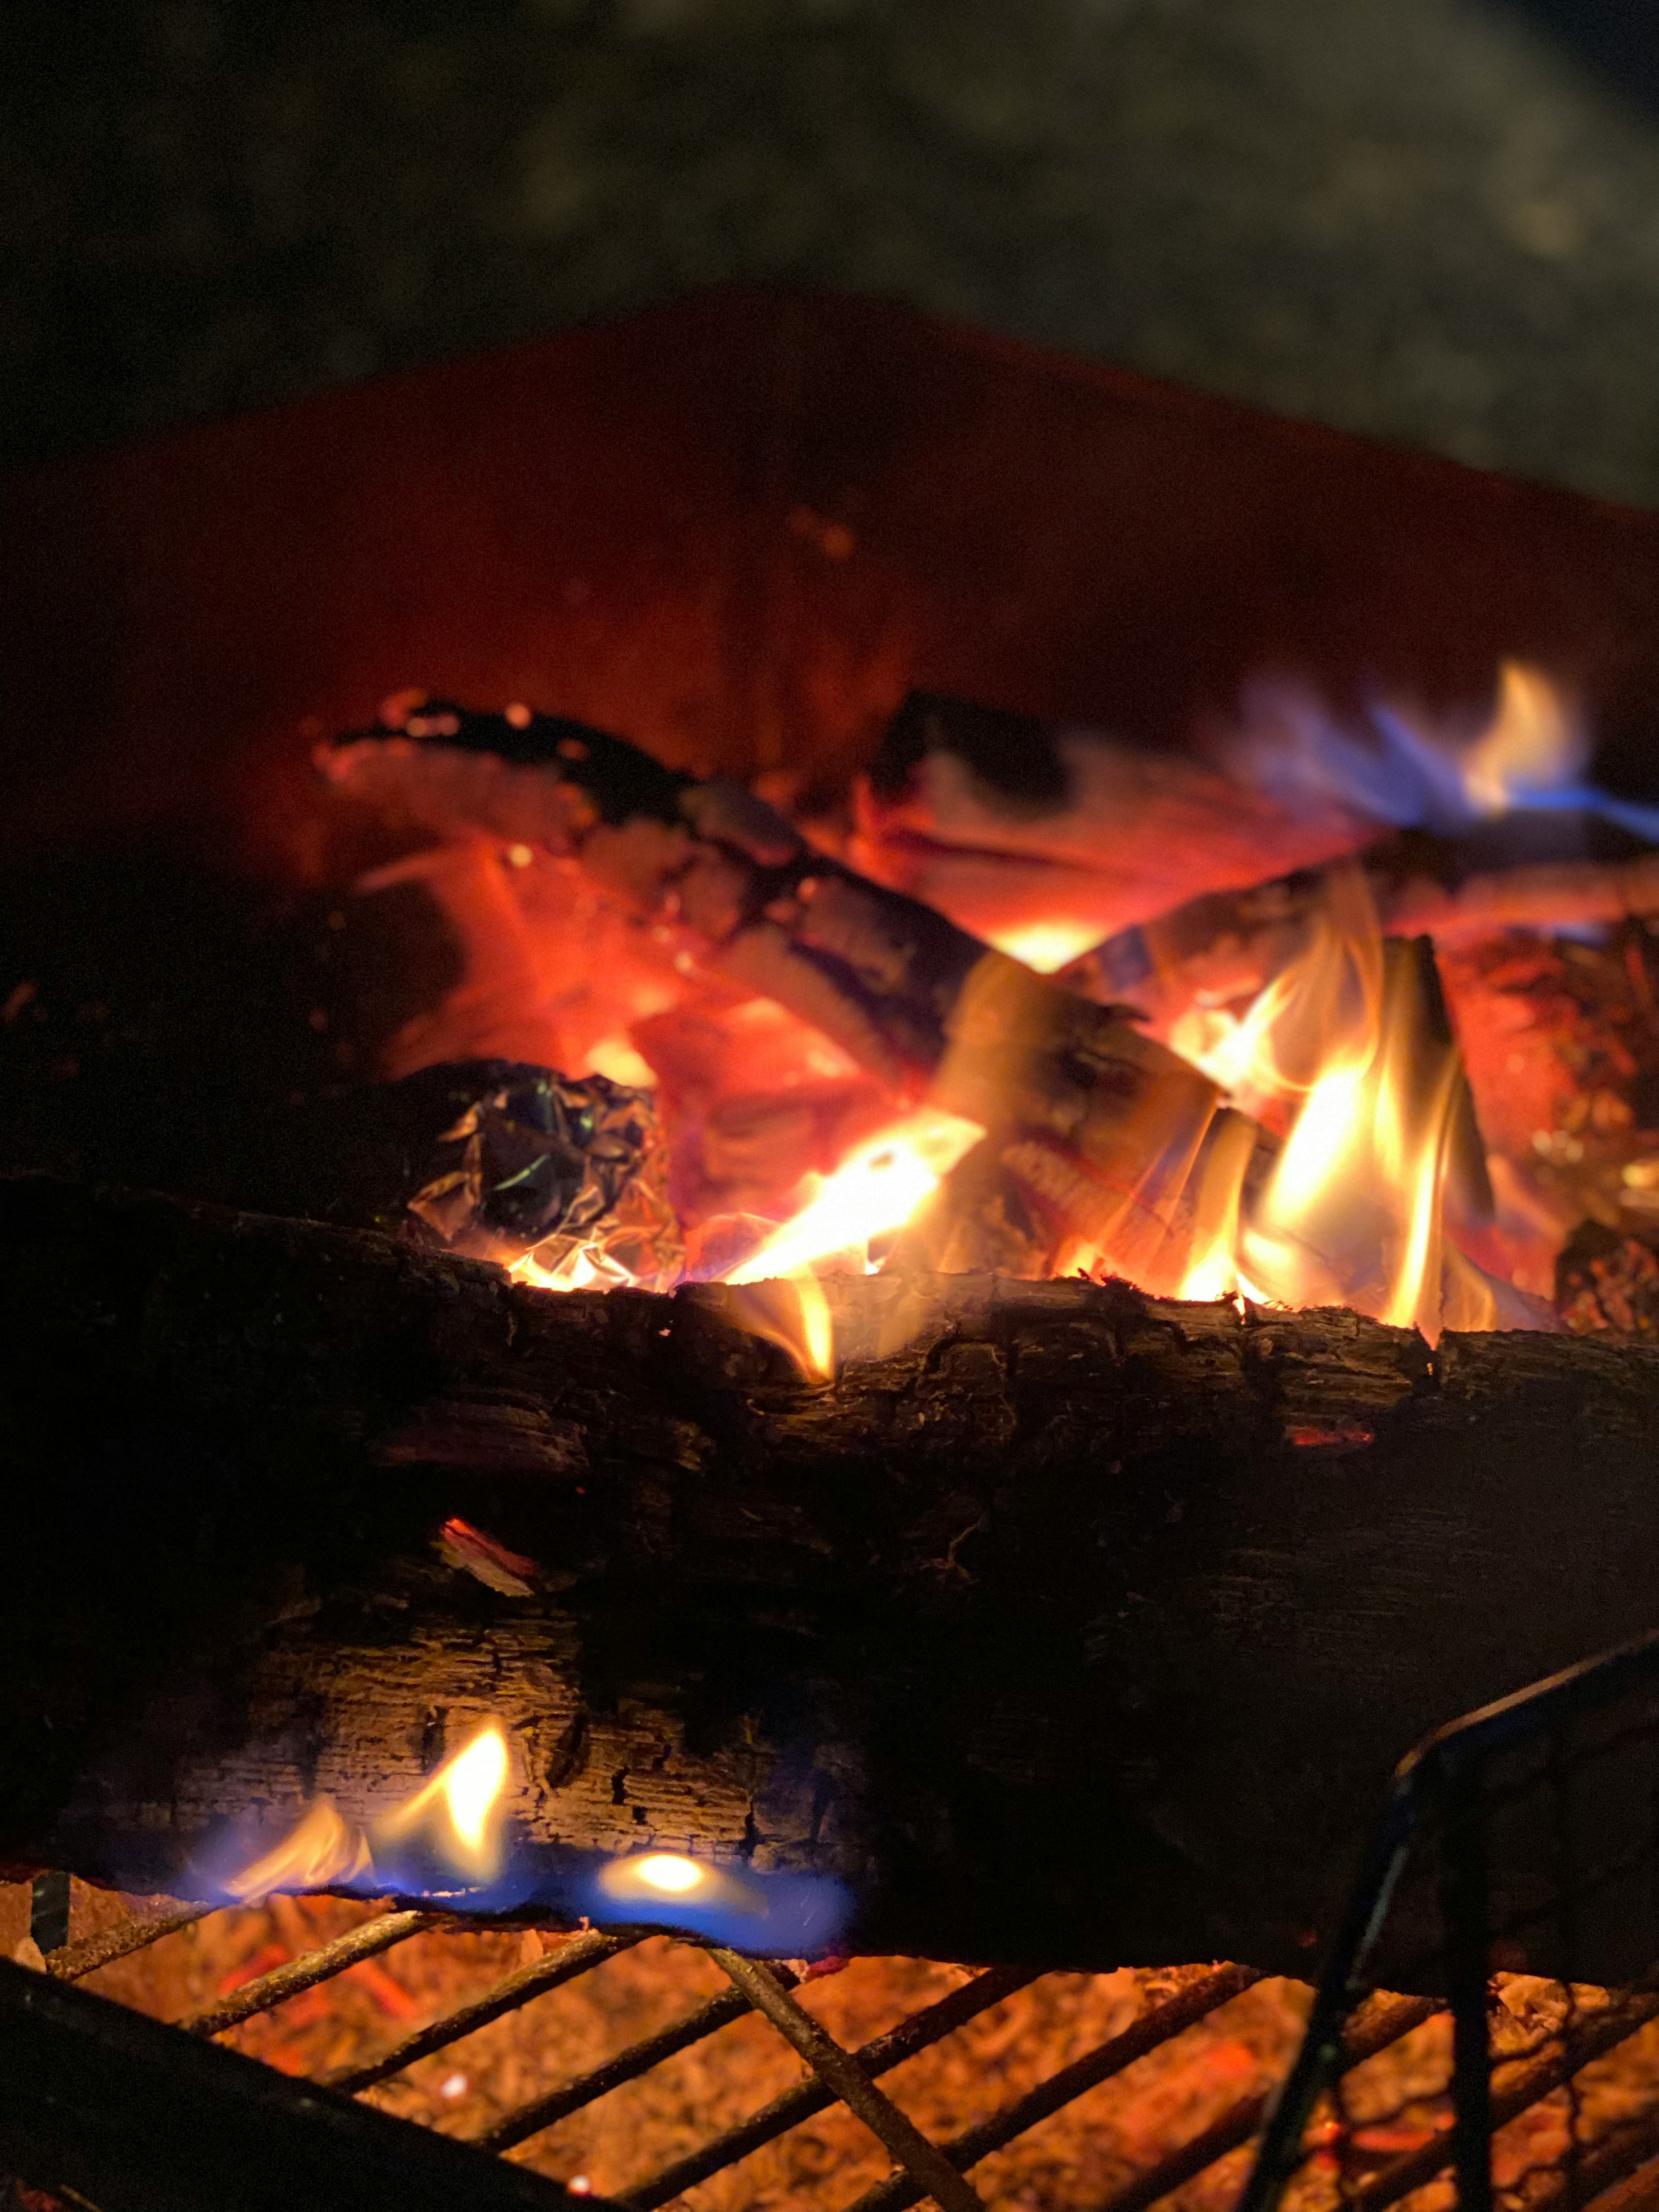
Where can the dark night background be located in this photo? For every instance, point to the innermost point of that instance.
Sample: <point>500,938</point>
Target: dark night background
<point>1433,220</point>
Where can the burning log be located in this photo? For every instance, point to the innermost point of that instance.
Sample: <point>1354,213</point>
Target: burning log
<point>1099,1127</point>
<point>1230,946</point>
<point>1079,1628</point>
<point>1047,839</point>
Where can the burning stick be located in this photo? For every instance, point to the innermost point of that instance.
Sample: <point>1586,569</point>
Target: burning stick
<point>1046,839</point>
<point>1229,945</point>
<point>1098,1125</point>
<point>1105,1152</point>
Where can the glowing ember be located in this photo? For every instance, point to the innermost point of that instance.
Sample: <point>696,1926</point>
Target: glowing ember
<point>1046,946</point>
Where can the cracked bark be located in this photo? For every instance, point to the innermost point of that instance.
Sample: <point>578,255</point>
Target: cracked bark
<point>1068,1626</point>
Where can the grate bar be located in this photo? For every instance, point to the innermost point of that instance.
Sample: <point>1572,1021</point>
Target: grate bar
<point>627,2066</point>
<point>365,1942</point>
<point>920,2032</point>
<point>124,2108</point>
<point>579,1956</point>
<point>1393,2019</point>
<point>1626,2156</point>
<point>1533,2080</point>
<point>1230,2132</point>
<point>1161,2025</point>
<point>75,1960</point>
<point>923,2161</point>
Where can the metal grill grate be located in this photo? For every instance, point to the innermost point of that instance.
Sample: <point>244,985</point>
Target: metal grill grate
<point>1533,1827</point>
<point>1524,1839</point>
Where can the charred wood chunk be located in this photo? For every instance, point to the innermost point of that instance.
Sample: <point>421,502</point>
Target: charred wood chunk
<point>1064,1624</point>
<point>1607,1282</point>
<point>568,1174</point>
<point>492,1157</point>
<point>1014,755</point>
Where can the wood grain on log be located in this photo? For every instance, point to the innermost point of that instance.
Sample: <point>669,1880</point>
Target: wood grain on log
<point>1066,1625</point>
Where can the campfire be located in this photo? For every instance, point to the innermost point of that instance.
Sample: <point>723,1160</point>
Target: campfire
<point>936,1345</point>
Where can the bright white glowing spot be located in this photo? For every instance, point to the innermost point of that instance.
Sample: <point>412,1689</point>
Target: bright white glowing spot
<point>614,1056</point>
<point>1046,946</point>
<point>669,1873</point>
<point>581,1269</point>
<point>454,2086</point>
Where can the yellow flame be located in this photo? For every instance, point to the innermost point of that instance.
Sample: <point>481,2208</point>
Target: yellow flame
<point>583,1268</point>
<point>873,1192</point>
<point>458,1812</point>
<point>1217,1188</point>
<point>657,1881</point>
<point>1350,1213</point>
<point>1534,740</point>
<point>668,1873</point>
<point>458,1808</point>
<point>325,1849</point>
<point>614,1056</point>
<point>792,1312</point>
<point>1046,946</point>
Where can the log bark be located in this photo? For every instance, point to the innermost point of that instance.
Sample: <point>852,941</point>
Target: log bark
<point>1067,1625</point>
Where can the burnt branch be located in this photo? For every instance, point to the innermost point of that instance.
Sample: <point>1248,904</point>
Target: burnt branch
<point>1098,1126</point>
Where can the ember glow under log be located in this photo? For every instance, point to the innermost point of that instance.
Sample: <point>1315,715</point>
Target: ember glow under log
<point>1079,1628</point>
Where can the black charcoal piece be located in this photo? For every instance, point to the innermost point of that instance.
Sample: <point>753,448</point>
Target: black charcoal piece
<point>568,1172</point>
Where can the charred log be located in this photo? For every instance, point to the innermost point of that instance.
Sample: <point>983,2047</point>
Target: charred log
<point>1066,1625</point>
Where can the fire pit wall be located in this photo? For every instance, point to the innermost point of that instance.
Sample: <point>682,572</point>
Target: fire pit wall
<point>738,530</point>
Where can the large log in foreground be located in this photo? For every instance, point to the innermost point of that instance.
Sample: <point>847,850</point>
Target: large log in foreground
<point>1066,1625</point>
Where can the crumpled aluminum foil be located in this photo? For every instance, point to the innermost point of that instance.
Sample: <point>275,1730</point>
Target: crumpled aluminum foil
<point>563,1179</point>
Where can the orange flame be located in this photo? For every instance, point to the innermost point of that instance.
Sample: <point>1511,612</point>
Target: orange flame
<point>325,1849</point>
<point>793,1313</point>
<point>457,1812</point>
<point>874,1191</point>
<point>872,1194</point>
